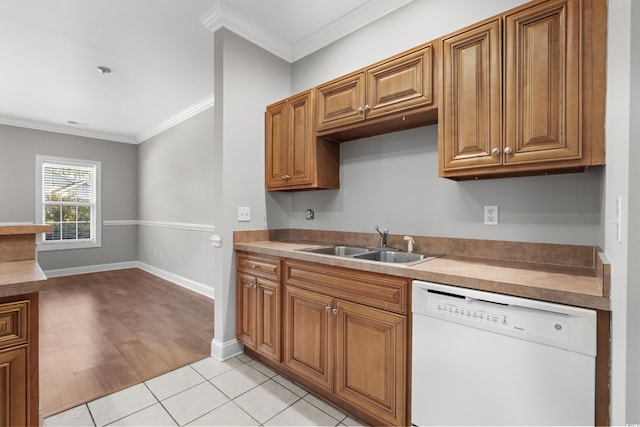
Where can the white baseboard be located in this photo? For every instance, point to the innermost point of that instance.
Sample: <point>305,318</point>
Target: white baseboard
<point>225,350</point>
<point>192,285</point>
<point>90,269</point>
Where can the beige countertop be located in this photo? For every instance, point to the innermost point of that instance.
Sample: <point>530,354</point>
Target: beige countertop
<point>20,277</point>
<point>573,285</point>
<point>19,271</point>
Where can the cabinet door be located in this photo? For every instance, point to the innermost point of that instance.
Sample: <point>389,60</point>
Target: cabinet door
<point>13,387</point>
<point>403,83</point>
<point>470,116</point>
<point>371,360</point>
<point>309,335</point>
<point>276,152</point>
<point>542,83</point>
<point>300,140</point>
<point>246,316</point>
<point>341,102</point>
<point>268,319</point>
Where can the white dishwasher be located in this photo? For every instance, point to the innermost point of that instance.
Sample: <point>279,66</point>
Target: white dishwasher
<point>481,358</point>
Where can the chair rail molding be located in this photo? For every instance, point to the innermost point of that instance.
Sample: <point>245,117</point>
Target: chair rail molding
<point>209,228</point>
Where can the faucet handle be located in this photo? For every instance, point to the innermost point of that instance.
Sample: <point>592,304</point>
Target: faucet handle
<point>384,231</point>
<point>383,236</point>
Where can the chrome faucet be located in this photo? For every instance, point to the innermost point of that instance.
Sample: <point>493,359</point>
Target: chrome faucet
<point>383,236</point>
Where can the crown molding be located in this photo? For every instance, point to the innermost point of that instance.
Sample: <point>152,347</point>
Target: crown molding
<point>68,130</point>
<point>222,16</point>
<point>369,12</point>
<point>196,108</point>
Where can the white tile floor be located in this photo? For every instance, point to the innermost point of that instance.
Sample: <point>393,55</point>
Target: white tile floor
<point>237,392</point>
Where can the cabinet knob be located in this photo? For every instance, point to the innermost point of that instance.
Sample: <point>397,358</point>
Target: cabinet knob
<point>360,110</point>
<point>252,285</point>
<point>335,311</point>
<point>508,150</point>
<point>253,266</point>
<point>328,308</point>
<point>495,151</point>
<point>285,177</point>
<point>367,108</point>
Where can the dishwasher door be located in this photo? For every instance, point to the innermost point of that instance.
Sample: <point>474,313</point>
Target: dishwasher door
<point>488,359</point>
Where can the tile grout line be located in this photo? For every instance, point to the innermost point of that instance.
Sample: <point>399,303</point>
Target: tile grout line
<point>91,414</point>
<point>160,403</point>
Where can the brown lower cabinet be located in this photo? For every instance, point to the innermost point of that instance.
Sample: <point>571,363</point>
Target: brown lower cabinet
<point>19,361</point>
<point>259,300</point>
<point>352,350</point>
<point>344,332</point>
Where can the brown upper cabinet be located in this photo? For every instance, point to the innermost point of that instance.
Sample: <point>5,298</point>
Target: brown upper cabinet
<point>295,158</point>
<point>395,91</point>
<point>523,93</point>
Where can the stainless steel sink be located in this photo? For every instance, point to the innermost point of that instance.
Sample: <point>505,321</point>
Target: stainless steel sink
<point>372,254</point>
<point>395,257</point>
<point>338,250</point>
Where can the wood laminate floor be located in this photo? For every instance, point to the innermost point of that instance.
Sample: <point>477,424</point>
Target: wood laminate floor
<point>103,332</point>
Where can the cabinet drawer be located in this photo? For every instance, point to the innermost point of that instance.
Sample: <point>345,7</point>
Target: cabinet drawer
<point>260,265</point>
<point>14,323</point>
<point>375,290</point>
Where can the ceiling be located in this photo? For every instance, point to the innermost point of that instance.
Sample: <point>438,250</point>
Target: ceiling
<point>160,53</point>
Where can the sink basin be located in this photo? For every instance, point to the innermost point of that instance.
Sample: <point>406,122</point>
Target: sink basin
<point>372,254</point>
<point>338,250</point>
<point>394,257</point>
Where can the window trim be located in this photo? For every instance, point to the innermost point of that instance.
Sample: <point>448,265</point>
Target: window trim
<point>53,245</point>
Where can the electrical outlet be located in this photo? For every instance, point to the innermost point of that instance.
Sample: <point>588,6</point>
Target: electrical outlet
<point>244,214</point>
<point>491,215</point>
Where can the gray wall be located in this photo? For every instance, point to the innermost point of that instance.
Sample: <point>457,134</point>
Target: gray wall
<point>392,181</point>
<point>175,177</point>
<point>18,149</point>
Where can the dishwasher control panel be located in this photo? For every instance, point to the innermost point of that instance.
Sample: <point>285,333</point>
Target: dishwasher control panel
<point>489,314</point>
<point>508,319</point>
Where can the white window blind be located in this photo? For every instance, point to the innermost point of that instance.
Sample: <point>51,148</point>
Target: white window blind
<point>68,201</point>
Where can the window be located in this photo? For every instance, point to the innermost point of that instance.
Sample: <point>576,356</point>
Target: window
<point>68,200</point>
